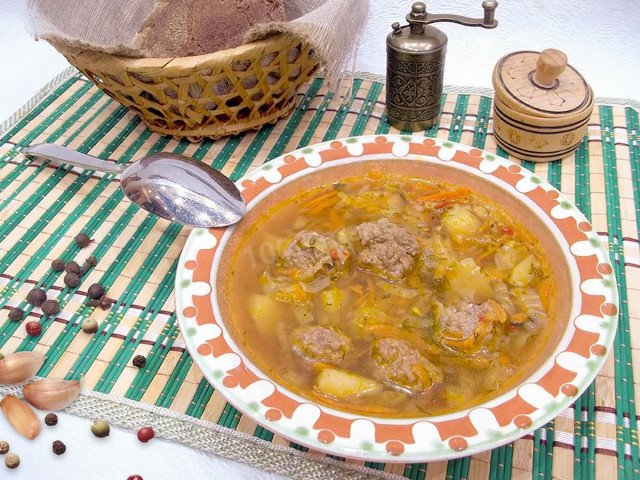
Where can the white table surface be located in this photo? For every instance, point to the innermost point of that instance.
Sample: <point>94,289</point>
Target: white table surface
<point>601,40</point>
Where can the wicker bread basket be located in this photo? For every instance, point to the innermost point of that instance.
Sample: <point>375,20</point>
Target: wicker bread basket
<point>212,95</point>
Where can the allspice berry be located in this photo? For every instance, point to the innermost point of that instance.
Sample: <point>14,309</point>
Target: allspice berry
<point>139,361</point>
<point>72,267</point>
<point>82,239</point>
<point>89,325</point>
<point>95,291</point>
<point>57,265</point>
<point>12,461</point>
<point>36,297</point>
<point>4,447</point>
<point>58,447</point>
<point>51,419</point>
<point>100,428</point>
<point>50,307</point>
<point>71,280</point>
<point>16,314</point>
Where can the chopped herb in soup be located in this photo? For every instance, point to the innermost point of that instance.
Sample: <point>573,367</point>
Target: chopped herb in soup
<point>391,295</point>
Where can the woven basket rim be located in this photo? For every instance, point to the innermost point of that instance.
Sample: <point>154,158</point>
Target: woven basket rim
<point>181,63</point>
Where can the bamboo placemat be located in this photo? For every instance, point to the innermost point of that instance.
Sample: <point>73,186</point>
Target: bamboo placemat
<point>42,207</point>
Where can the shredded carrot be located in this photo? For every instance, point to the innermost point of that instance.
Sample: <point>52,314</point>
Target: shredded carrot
<point>485,226</point>
<point>384,330</point>
<point>375,175</point>
<point>519,318</point>
<point>454,195</point>
<point>504,360</point>
<point>545,290</point>
<point>357,288</point>
<point>370,409</point>
<point>322,206</point>
<point>319,199</point>
<point>421,372</point>
<point>498,313</point>
<point>336,221</point>
<point>420,189</point>
<point>464,345</point>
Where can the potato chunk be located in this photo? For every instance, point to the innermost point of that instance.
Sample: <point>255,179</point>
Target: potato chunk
<point>341,384</point>
<point>459,220</point>
<point>265,312</point>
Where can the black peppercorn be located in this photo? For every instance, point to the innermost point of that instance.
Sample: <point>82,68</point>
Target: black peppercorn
<point>104,303</point>
<point>16,314</point>
<point>50,307</point>
<point>36,297</point>
<point>57,265</point>
<point>71,280</point>
<point>59,448</point>
<point>95,291</point>
<point>51,419</point>
<point>139,361</point>
<point>72,267</point>
<point>82,239</point>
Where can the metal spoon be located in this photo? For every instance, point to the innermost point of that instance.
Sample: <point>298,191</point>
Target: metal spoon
<point>169,185</point>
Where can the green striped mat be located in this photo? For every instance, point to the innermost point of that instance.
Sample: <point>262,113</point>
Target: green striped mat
<point>42,207</point>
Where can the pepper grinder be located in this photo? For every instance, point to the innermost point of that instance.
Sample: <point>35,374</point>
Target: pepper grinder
<point>415,65</point>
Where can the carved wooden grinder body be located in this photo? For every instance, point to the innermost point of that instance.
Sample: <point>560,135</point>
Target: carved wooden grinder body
<point>415,65</point>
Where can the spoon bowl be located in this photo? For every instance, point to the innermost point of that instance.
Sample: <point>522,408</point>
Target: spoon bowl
<point>172,186</point>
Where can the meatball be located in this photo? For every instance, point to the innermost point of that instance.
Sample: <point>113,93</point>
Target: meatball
<point>464,329</point>
<point>311,252</point>
<point>400,364</point>
<point>320,343</point>
<point>387,249</point>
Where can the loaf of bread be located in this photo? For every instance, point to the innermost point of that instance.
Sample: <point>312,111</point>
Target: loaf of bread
<point>196,27</point>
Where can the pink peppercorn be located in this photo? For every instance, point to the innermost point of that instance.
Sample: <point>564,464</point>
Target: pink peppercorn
<point>134,477</point>
<point>34,329</point>
<point>145,434</point>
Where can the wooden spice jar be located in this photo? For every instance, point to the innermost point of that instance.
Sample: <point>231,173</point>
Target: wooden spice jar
<point>541,107</point>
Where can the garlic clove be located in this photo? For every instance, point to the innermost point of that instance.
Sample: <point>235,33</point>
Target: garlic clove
<point>51,394</point>
<point>21,416</point>
<point>20,367</point>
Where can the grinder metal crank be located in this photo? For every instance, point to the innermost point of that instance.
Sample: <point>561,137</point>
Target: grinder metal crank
<point>415,65</point>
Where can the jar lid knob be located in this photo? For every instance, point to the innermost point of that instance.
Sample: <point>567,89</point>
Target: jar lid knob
<point>550,64</point>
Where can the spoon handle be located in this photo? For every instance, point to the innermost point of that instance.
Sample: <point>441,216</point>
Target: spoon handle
<point>60,154</point>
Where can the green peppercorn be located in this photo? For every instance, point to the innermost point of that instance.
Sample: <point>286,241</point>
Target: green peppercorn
<point>12,461</point>
<point>16,314</point>
<point>82,239</point>
<point>57,265</point>
<point>95,291</point>
<point>36,297</point>
<point>4,447</point>
<point>72,267</point>
<point>100,428</point>
<point>50,307</point>
<point>71,280</point>
<point>89,325</point>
